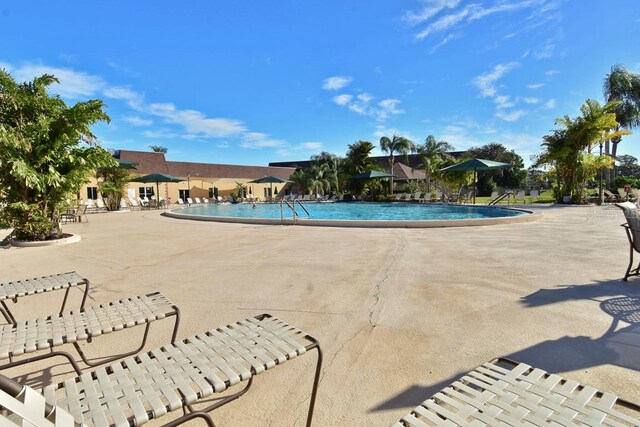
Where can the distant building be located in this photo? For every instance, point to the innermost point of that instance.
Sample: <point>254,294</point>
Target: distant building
<point>200,179</point>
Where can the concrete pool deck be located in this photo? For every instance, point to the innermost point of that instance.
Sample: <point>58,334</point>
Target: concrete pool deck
<point>400,313</point>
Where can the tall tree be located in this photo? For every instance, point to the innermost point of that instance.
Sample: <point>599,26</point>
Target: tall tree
<point>624,87</point>
<point>158,149</point>
<point>47,151</point>
<point>432,153</point>
<point>565,149</point>
<point>508,178</point>
<point>397,144</point>
<point>330,166</point>
<point>358,160</point>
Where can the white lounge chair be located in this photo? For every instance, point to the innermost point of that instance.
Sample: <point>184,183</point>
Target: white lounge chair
<point>520,195</point>
<point>170,378</point>
<point>535,195</point>
<point>189,200</point>
<point>30,336</point>
<point>504,392</point>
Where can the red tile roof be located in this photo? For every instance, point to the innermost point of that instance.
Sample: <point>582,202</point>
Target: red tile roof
<point>152,162</point>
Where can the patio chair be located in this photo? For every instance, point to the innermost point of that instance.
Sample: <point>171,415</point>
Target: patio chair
<point>173,377</point>
<point>101,206</point>
<point>134,204</point>
<point>504,392</point>
<point>123,204</point>
<point>623,195</point>
<point>520,195</point>
<point>632,227</point>
<point>180,201</point>
<point>38,285</point>
<point>609,197</point>
<point>30,336</point>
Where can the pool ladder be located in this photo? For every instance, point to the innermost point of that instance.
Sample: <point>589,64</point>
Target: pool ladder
<point>292,206</point>
<point>502,197</point>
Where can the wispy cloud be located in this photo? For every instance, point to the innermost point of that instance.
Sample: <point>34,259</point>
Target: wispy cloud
<point>336,82</point>
<point>343,99</point>
<point>550,104</point>
<point>552,72</point>
<point>363,104</point>
<point>310,145</point>
<point>440,16</point>
<point>486,82</point>
<point>503,101</point>
<point>137,121</point>
<point>447,39</point>
<point>535,85</point>
<point>510,117</point>
<point>195,122</point>
<point>545,51</point>
<point>260,140</point>
<point>73,84</point>
<point>531,100</point>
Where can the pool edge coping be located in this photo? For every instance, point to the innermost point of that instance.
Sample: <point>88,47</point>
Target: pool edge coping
<point>345,223</point>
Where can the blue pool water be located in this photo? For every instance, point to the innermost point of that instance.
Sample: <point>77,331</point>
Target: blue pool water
<point>354,211</point>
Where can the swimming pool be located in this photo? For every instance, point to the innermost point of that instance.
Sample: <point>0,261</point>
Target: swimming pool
<point>356,214</point>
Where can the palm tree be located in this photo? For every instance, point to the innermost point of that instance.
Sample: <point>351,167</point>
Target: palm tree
<point>623,86</point>
<point>398,144</point>
<point>358,160</point>
<point>158,149</point>
<point>318,177</point>
<point>433,154</point>
<point>330,164</point>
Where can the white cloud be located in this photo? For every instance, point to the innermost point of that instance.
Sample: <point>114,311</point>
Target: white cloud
<point>195,122</point>
<point>336,82</point>
<point>531,100</point>
<point>363,104</point>
<point>550,104</point>
<point>119,92</point>
<point>535,86</point>
<point>73,84</point>
<point>343,99</point>
<point>502,101</point>
<point>510,117</point>
<point>552,72</point>
<point>223,144</point>
<point>259,140</point>
<point>486,82</point>
<point>546,51</point>
<point>432,8</point>
<point>137,121</point>
<point>447,39</point>
<point>311,145</point>
<point>167,134</point>
<point>437,22</point>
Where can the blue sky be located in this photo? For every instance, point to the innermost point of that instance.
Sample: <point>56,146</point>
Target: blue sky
<point>252,82</point>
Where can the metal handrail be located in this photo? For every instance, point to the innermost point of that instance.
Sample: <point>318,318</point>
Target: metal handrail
<point>292,207</point>
<point>303,208</point>
<point>501,197</point>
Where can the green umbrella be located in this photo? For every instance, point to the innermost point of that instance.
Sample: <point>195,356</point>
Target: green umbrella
<point>372,175</point>
<point>269,180</point>
<point>476,165</point>
<point>157,178</point>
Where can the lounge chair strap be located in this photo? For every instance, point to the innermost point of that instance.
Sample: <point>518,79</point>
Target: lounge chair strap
<point>20,288</point>
<point>48,332</point>
<point>137,389</point>
<point>517,394</point>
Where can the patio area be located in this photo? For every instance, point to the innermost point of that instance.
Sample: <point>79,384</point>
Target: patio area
<point>399,313</point>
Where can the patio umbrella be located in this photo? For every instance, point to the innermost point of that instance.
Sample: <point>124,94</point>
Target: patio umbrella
<point>371,175</point>
<point>476,165</point>
<point>269,180</point>
<point>157,178</point>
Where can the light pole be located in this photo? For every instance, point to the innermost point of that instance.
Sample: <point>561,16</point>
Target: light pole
<point>600,199</point>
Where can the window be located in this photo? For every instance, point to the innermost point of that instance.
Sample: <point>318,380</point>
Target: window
<point>184,195</point>
<point>92,193</point>
<point>213,192</point>
<point>145,192</point>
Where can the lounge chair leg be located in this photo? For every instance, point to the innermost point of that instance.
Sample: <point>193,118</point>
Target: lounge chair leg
<point>116,357</point>
<point>45,356</point>
<point>626,276</point>
<point>7,313</point>
<point>64,301</point>
<point>316,381</point>
<point>191,415</point>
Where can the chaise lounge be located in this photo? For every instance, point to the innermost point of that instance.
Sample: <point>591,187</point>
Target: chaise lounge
<point>30,336</point>
<point>173,377</point>
<point>504,392</point>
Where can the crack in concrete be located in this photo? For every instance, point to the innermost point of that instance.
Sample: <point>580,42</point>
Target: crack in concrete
<point>324,370</point>
<point>378,286</point>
